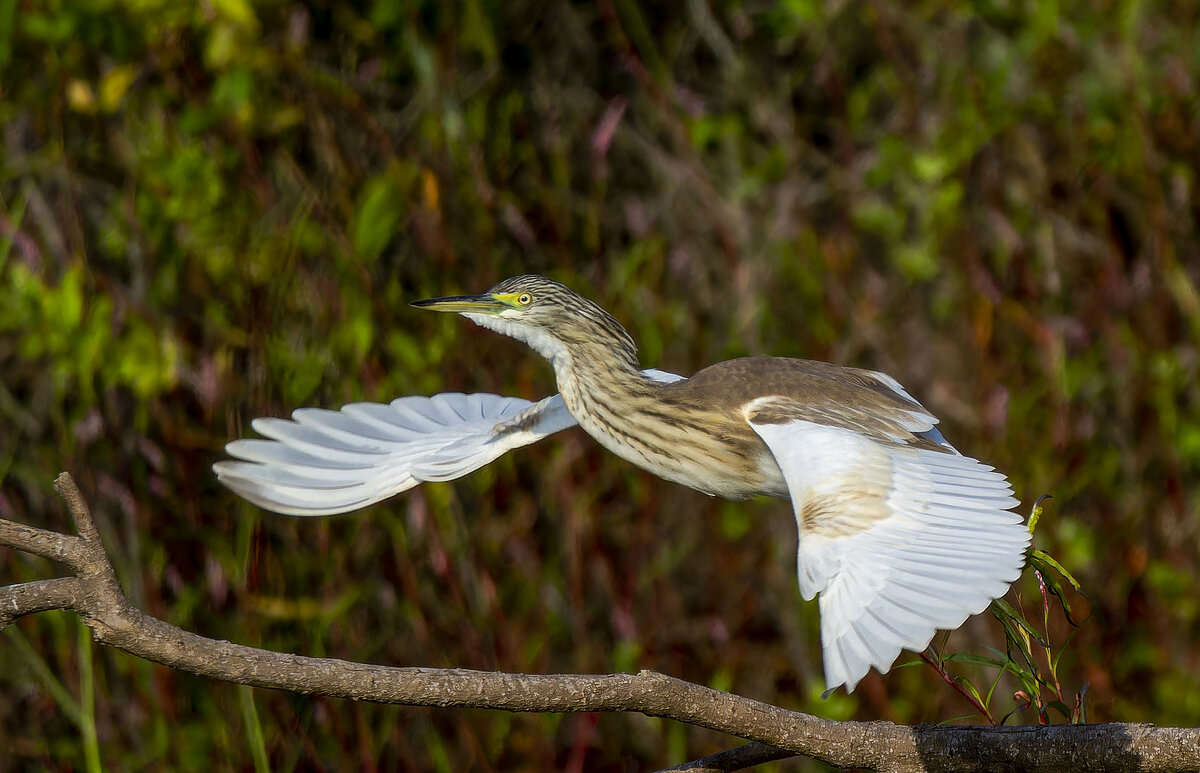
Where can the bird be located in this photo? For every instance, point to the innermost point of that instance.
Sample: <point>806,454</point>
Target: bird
<point>900,535</point>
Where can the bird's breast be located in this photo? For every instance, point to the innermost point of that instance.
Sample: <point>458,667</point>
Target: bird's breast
<point>713,453</point>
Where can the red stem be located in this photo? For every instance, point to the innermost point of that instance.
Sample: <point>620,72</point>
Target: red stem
<point>983,710</point>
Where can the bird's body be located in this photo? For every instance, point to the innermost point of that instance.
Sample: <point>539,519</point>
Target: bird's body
<point>678,432</point>
<point>899,533</point>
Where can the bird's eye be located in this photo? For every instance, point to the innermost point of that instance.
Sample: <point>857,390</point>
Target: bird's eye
<point>524,299</point>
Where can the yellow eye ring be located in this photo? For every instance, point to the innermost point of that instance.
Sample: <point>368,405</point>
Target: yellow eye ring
<point>524,299</point>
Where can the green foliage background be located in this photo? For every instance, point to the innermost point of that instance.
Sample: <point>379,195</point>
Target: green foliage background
<point>216,210</point>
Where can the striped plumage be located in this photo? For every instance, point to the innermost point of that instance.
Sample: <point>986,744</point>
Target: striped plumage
<point>900,535</point>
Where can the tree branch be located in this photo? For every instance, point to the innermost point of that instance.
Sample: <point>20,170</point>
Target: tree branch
<point>96,595</point>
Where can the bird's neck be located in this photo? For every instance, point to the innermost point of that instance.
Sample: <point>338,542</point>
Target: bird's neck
<point>583,372</point>
<point>593,359</point>
<point>598,366</point>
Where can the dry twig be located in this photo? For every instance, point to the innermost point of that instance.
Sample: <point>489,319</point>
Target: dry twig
<point>95,594</point>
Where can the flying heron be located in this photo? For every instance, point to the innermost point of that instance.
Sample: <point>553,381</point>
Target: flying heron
<point>900,534</point>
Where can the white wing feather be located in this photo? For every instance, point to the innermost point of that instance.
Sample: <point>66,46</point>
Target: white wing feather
<point>914,540</point>
<point>323,462</point>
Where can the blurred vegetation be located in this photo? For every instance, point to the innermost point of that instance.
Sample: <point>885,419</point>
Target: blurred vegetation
<point>217,210</point>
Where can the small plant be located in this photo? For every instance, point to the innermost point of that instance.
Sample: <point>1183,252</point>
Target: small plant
<point>1030,656</point>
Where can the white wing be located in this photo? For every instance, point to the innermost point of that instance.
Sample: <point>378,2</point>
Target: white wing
<point>898,541</point>
<point>324,462</point>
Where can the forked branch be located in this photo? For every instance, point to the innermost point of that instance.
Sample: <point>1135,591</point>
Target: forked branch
<point>95,594</point>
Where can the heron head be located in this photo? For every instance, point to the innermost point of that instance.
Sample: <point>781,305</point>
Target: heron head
<point>526,301</point>
<point>548,316</point>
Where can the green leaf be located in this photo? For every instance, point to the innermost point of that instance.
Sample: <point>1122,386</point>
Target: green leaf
<point>1042,562</point>
<point>1010,612</point>
<point>1016,632</point>
<point>1036,514</point>
<point>1014,668</point>
<point>1005,668</point>
<point>976,660</point>
<point>382,204</point>
<point>970,687</point>
<point>909,664</point>
<point>1049,560</point>
<point>1061,708</point>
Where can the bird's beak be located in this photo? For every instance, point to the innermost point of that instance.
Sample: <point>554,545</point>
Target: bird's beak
<point>459,304</point>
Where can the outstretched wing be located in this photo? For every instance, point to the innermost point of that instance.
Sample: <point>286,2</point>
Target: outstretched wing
<point>898,540</point>
<point>323,462</point>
